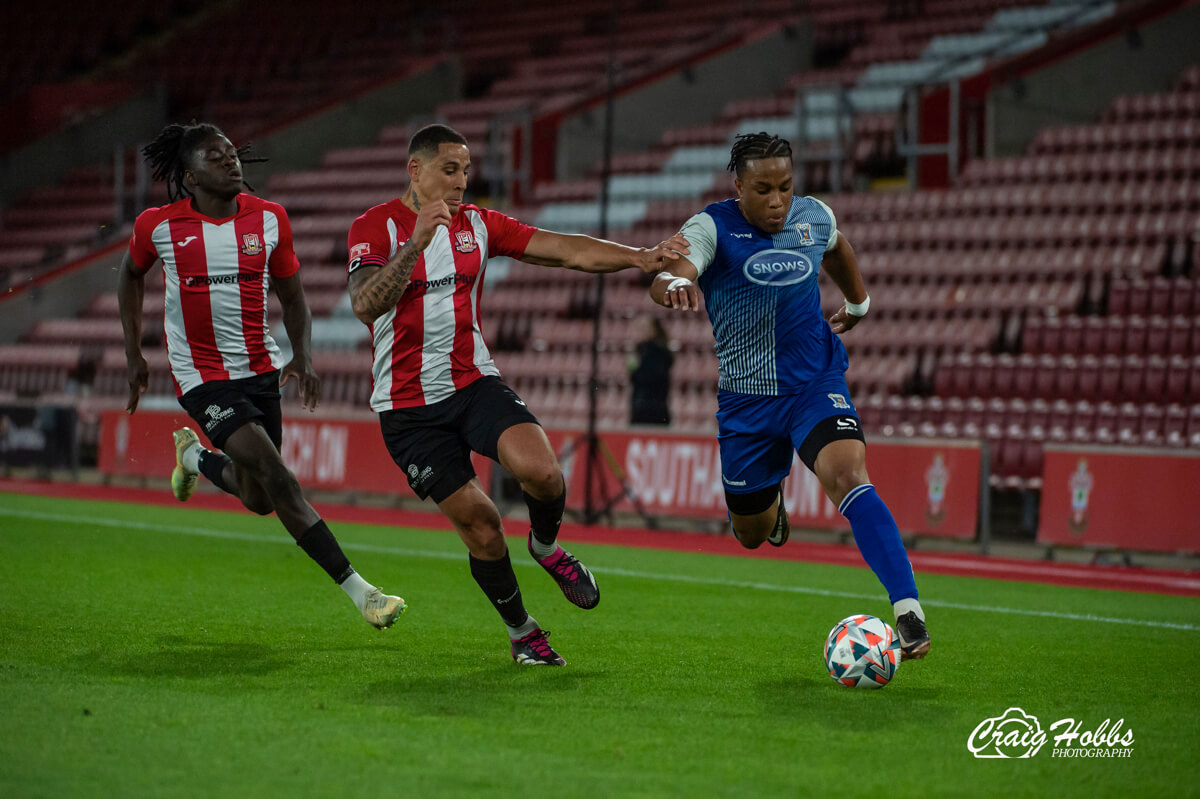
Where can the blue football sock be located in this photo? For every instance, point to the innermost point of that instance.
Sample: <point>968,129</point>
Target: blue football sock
<point>878,540</point>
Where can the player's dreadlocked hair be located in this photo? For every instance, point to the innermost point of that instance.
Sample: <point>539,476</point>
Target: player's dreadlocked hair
<point>167,154</point>
<point>751,146</point>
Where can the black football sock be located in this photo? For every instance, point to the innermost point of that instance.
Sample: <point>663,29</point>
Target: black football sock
<point>320,545</point>
<point>212,466</point>
<point>546,517</point>
<point>496,579</point>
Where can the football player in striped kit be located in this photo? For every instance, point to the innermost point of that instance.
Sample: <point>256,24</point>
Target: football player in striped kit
<point>415,279</point>
<point>782,385</point>
<point>221,250</point>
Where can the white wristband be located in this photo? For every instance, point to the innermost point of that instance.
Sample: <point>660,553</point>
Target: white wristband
<point>858,308</point>
<point>677,283</point>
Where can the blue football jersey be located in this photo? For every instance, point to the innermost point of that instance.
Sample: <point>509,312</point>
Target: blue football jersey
<point>762,299</point>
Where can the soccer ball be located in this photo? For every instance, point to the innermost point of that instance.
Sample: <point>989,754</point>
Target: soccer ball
<point>862,652</point>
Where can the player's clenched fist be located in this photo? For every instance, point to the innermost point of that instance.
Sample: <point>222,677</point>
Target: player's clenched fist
<point>681,294</point>
<point>429,217</point>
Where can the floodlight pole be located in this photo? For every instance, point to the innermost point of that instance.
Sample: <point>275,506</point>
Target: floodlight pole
<point>591,512</point>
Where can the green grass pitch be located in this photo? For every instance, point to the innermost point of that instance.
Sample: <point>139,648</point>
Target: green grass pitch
<point>171,652</point>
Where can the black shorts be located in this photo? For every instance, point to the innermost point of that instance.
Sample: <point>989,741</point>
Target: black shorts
<point>221,407</point>
<point>432,444</point>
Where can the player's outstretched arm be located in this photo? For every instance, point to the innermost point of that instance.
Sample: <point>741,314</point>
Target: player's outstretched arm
<point>297,320</point>
<point>587,254</point>
<point>675,287</point>
<point>131,288</point>
<point>841,265</point>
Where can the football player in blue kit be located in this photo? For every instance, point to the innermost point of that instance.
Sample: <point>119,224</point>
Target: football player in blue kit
<point>782,384</point>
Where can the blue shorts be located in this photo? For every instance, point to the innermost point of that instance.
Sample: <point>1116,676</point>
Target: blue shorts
<point>759,434</point>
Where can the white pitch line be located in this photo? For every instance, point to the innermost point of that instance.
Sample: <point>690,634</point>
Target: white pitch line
<point>678,578</point>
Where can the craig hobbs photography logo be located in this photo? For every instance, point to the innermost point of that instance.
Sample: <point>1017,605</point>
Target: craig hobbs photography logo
<point>1017,734</point>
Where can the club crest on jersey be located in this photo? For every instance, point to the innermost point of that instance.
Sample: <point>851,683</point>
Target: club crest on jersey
<point>805,231</point>
<point>251,244</point>
<point>839,401</point>
<point>464,241</point>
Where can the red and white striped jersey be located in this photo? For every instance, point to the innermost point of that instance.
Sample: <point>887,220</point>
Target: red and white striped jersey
<point>217,273</point>
<point>430,345</point>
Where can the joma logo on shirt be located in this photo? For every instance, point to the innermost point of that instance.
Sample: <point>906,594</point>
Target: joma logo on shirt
<point>191,281</point>
<point>777,268</point>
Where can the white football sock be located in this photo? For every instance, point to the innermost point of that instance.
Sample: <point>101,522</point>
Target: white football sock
<point>356,588</point>
<point>907,605</point>
<point>517,633</point>
<point>541,551</point>
<point>191,457</point>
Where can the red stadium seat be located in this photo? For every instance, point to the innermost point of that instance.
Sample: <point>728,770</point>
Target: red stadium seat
<point>982,375</point>
<point>1083,421</point>
<point>1175,388</point>
<point>1178,336</point>
<point>1045,377</point>
<point>1193,426</point>
<point>1153,424</point>
<point>892,415</point>
<point>1118,297</point>
<point>1072,336</point>
<point>1038,415</point>
<point>1139,297</point>
<point>1002,376</point>
<point>1023,375</point>
<point>1109,389</point>
<point>1182,298</point>
<point>1159,303</point>
<point>1194,380</point>
<point>1129,423</point>
<point>1132,382</point>
<point>1114,336</point>
<point>1066,377</point>
<point>1093,336</point>
<point>1106,425</point>
<point>974,415</point>
<point>1034,336</point>
<point>1135,336</point>
<point>1154,383</point>
<point>1088,383</point>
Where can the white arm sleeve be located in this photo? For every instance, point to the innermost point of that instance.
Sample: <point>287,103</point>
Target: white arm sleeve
<point>701,233</point>
<point>832,225</point>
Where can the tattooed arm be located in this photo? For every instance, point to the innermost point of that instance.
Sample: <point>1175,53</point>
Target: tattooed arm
<point>376,290</point>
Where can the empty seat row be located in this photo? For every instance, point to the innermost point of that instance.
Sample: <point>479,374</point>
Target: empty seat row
<point>1111,378</point>
<point>1111,335</point>
<point>1118,136</point>
<point>1164,164</point>
<point>1129,196</point>
<point>1022,232</point>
